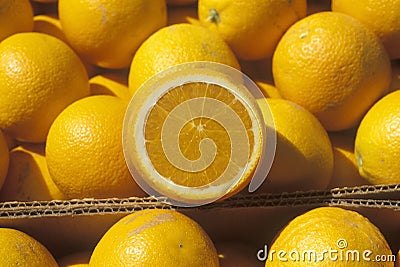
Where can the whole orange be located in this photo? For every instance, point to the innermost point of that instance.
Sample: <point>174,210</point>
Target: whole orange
<point>155,237</point>
<point>381,16</point>
<point>251,28</point>
<point>84,150</point>
<point>303,159</point>
<point>329,236</point>
<point>176,44</point>
<point>39,76</point>
<point>20,249</point>
<point>377,143</point>
<point>332,65</point>
<point>107,33</point>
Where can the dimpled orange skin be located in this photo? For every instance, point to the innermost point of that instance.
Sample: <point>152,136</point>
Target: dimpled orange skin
<point>332,65</point>
<point>39,76</point>
<point>15,16</point>
<point>50,24</point>
<point>381,16</point>
<point>176,44</point>
<point>329,228</point>
<point>377,144</point>
<point>108,32</point>
<point>252,28</point>
<point>20,249</point>
<point>84,150</point>
<point>155,237</point>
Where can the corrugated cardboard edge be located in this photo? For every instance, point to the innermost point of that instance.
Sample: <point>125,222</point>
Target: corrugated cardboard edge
<point>379,196</point>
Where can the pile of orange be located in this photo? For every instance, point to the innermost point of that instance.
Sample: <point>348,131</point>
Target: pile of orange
<point>328,77</point>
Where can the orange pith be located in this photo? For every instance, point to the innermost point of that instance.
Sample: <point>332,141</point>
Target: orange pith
<point>193,132</point>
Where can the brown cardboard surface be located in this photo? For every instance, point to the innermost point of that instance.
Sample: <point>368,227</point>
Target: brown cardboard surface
<point>253,226</point>
<point>74,207</point>
<point>65,226</point>
<point>380,196</point>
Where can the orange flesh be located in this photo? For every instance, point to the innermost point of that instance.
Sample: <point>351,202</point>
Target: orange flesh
<point>193,132</point>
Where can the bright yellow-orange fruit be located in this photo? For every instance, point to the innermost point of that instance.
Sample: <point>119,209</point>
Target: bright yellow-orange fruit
<point>193,134</point>
<point>63,235</point>
<point>50,24</point>
<point>15,16</point>
<point>329,236</point>
<point>155,237</point>
<point>332,65</point>
<point>28,178</point>
<point>176,44</point>
<point>108,33</point>
<point>381,16</point>
<point>377,145</point>
<point>251,28</point>
<point>4,158</point>
<point>304,157</point>
<point>39,76</point>
<point>20,249</point>
<point>84,150</point>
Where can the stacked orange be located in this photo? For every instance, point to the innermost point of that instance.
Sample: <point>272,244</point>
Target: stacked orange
<point>69,68</point>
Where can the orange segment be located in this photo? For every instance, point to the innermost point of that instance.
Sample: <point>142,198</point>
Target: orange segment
<point>193,134</point>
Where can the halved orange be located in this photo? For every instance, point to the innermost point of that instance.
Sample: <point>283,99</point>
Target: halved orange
<point>194,133</point>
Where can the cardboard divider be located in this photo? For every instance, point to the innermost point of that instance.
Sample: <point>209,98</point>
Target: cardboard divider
<point>380,196</point>
<point>65,226</point>
<point>73,207</point>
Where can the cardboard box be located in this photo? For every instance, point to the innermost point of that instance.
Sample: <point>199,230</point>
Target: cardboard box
<point>65,226</point>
